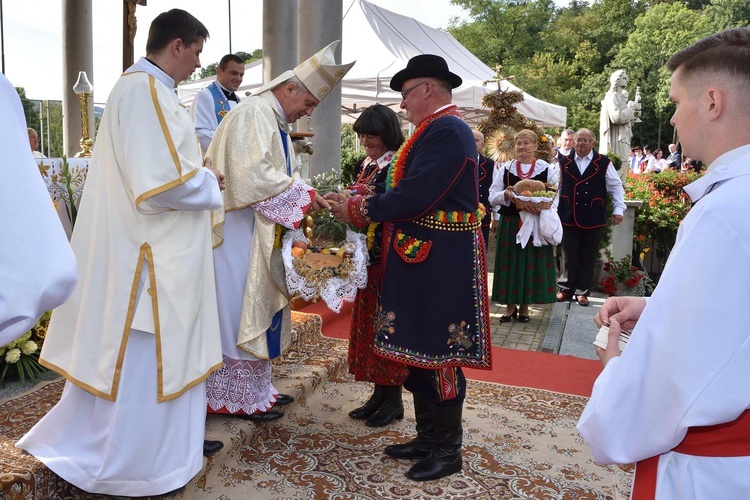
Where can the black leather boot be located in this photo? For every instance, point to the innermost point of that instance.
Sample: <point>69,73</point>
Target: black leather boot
<point>445,458</point>
<point>391,408</point>
<point>370,407</point>
<point>421,446</point>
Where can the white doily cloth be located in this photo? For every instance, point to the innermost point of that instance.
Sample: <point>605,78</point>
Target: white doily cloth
<point>336,290</point>
<point>542,229</point>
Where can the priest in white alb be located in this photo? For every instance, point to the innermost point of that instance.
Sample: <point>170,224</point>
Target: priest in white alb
<point>253,149</point>
<point>139,336</point>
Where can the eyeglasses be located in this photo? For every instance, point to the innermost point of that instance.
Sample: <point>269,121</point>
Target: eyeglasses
<point>583,141</point>
<point>405,93</point>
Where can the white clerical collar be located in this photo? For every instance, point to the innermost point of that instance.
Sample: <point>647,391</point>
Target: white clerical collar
<point>222,87</point>
<point>151,68</point>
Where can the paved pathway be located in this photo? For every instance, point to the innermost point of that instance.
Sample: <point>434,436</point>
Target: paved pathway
<point>568,328</point>
<point>515,335</point>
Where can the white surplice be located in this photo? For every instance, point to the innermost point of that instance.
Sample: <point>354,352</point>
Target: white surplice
<point>145,436</point>
<point>687,363</point>
<point>37,265</point>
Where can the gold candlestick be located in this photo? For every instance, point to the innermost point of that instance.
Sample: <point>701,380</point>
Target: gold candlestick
<point>84,89</point>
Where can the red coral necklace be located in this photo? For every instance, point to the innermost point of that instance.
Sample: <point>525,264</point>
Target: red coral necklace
<point>527,174</point>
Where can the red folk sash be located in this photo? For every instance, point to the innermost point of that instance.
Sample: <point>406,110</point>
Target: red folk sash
<point>731,439</point>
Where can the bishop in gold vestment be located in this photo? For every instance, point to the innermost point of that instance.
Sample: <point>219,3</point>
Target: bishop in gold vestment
<point>252,148</point>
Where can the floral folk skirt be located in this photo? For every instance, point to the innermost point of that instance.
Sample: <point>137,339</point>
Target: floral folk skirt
<point>522,275</point>
<point>364,364</point>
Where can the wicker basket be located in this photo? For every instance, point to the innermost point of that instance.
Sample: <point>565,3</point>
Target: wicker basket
<point>523,203</point>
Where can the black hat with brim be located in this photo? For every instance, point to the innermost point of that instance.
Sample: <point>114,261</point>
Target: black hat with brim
<point>425,66</point>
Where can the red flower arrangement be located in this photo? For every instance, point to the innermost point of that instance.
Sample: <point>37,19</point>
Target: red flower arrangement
<point>634,281</point>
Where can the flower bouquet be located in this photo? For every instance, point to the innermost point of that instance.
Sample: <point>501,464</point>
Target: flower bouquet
<point>319,265</point>
<point>625,279</point>
<point>23,353</point>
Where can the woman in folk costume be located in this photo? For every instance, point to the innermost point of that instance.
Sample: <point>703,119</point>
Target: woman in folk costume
<point>138,337</point>
<point>433,311</point>
<point>380,134</point>
<point>253,149</point>
<point>522,275</point>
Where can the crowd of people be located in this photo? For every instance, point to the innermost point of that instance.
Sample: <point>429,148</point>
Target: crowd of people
<point>641,160</point>
<point>179,308</point>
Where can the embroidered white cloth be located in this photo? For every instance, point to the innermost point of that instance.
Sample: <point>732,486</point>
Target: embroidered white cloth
<point>54,177</point>
<point>543,229</point>
<point>336,290</point>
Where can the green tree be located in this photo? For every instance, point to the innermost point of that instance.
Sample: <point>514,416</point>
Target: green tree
<point>210,69</point>
<point>503,31</point>
<point>723,14</point>
<point>644,55</point>
<point>30,109</point>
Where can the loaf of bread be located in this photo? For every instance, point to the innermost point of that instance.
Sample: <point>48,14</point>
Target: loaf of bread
<point>528,185</point>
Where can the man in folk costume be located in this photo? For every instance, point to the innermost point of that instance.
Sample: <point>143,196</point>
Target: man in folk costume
<point>678,401</point>
<point>215,101</point>
<point>586,178</point>
<point>253,149</point>
<point>138,337</point>
<point>433,312</point>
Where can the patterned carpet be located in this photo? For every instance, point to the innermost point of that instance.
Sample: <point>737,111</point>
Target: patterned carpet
<point>518,443</point>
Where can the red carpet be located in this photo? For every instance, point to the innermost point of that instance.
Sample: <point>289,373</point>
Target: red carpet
<point>538,370</point>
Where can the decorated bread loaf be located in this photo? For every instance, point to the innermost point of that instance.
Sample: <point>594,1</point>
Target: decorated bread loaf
<point>529,185</point>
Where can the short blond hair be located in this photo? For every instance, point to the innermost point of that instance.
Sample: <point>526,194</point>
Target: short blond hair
<point>527,134</point>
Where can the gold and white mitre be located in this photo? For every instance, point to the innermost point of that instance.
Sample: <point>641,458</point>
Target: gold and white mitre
<point>319,73</point>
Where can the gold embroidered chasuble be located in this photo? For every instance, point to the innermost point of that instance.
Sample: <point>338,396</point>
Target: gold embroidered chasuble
<point>146,145</point>
<point>248,149</point>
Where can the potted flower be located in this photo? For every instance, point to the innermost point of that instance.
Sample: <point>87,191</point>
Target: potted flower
<point>22,354</point>
<point>622,278</point>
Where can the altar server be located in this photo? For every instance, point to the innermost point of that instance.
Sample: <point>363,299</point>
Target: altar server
<point>677,400</point>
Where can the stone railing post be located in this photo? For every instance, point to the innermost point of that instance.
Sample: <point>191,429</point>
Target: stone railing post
<point>621,243</point>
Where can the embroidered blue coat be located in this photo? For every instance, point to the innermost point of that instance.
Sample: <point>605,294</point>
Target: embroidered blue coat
<point>433,307</point>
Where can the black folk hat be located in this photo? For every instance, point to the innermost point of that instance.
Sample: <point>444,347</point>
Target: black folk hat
<point>425,65</point>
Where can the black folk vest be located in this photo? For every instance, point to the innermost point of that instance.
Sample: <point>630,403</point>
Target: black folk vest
<point>583,196</point>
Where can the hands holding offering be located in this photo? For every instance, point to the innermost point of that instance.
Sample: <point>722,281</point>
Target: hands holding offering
<point>619,314</point>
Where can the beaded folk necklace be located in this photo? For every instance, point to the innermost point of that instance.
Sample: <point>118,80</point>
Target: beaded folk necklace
<point>527,174</point>
<point>368,172</point>
<point>396,171</point>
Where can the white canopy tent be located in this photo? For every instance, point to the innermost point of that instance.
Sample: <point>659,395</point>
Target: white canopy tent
<point>382,42</point>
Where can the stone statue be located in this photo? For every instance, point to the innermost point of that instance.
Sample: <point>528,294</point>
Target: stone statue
<point>617,118</point>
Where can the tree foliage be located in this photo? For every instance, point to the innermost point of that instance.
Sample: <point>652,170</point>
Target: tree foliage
<point>565,55</point>
<point>30,109</point>
<point>210,69</point>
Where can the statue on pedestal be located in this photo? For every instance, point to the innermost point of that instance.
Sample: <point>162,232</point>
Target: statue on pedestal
<point>617,118</point>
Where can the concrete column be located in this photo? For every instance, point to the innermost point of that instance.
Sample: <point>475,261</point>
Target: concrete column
<point>279,37</point>
<point>78,55</point>
<point>320,24</point>
<point>621,243</point>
